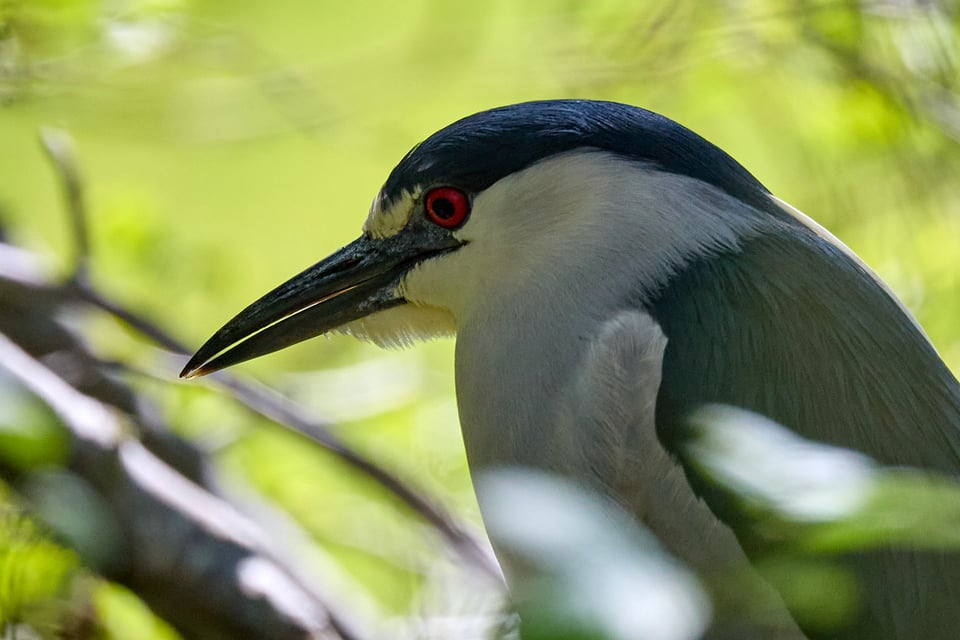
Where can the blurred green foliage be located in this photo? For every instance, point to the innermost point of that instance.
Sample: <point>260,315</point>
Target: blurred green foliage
<point>33,573</point>
<point>29,435</point>
<point>226,145</point>
<point>123,615</point>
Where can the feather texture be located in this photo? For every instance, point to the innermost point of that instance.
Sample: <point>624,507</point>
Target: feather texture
<point>791,328</point>
<point>607,417</point>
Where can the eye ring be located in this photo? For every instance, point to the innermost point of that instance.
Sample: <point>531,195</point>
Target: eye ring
<point>447,207</point>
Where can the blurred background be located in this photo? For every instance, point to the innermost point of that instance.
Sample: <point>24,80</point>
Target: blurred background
<point>223,146</point>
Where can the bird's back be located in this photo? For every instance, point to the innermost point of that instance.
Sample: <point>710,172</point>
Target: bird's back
<point>791,328</point>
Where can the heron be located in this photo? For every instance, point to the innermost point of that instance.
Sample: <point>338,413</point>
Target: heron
<point>606,272</point>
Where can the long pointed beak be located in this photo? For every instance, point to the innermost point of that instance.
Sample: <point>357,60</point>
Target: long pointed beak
<point>357,280</point>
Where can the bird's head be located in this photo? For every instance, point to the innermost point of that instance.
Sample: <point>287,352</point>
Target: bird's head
<point>491,206</point>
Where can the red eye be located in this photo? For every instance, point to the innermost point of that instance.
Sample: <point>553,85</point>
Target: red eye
<point>447,207</point>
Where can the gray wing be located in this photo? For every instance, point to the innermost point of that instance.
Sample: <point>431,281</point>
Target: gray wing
<point>607,420</point>
<point>789,327</point>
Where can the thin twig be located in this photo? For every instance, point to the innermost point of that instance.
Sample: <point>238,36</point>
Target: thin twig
<point>59,147</point>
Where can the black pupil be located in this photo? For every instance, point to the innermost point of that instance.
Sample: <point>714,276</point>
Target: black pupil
<point>443,208</point>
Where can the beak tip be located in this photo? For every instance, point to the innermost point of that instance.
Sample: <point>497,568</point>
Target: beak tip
<point>192,370</point>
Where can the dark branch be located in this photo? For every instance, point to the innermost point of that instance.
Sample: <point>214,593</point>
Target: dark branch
<point>208,569</point>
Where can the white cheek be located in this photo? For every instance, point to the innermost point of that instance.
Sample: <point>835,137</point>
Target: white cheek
<point>401,326</point>
<point>454,281</point>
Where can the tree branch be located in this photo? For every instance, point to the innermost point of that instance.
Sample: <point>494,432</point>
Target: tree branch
<point>205,567</point>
